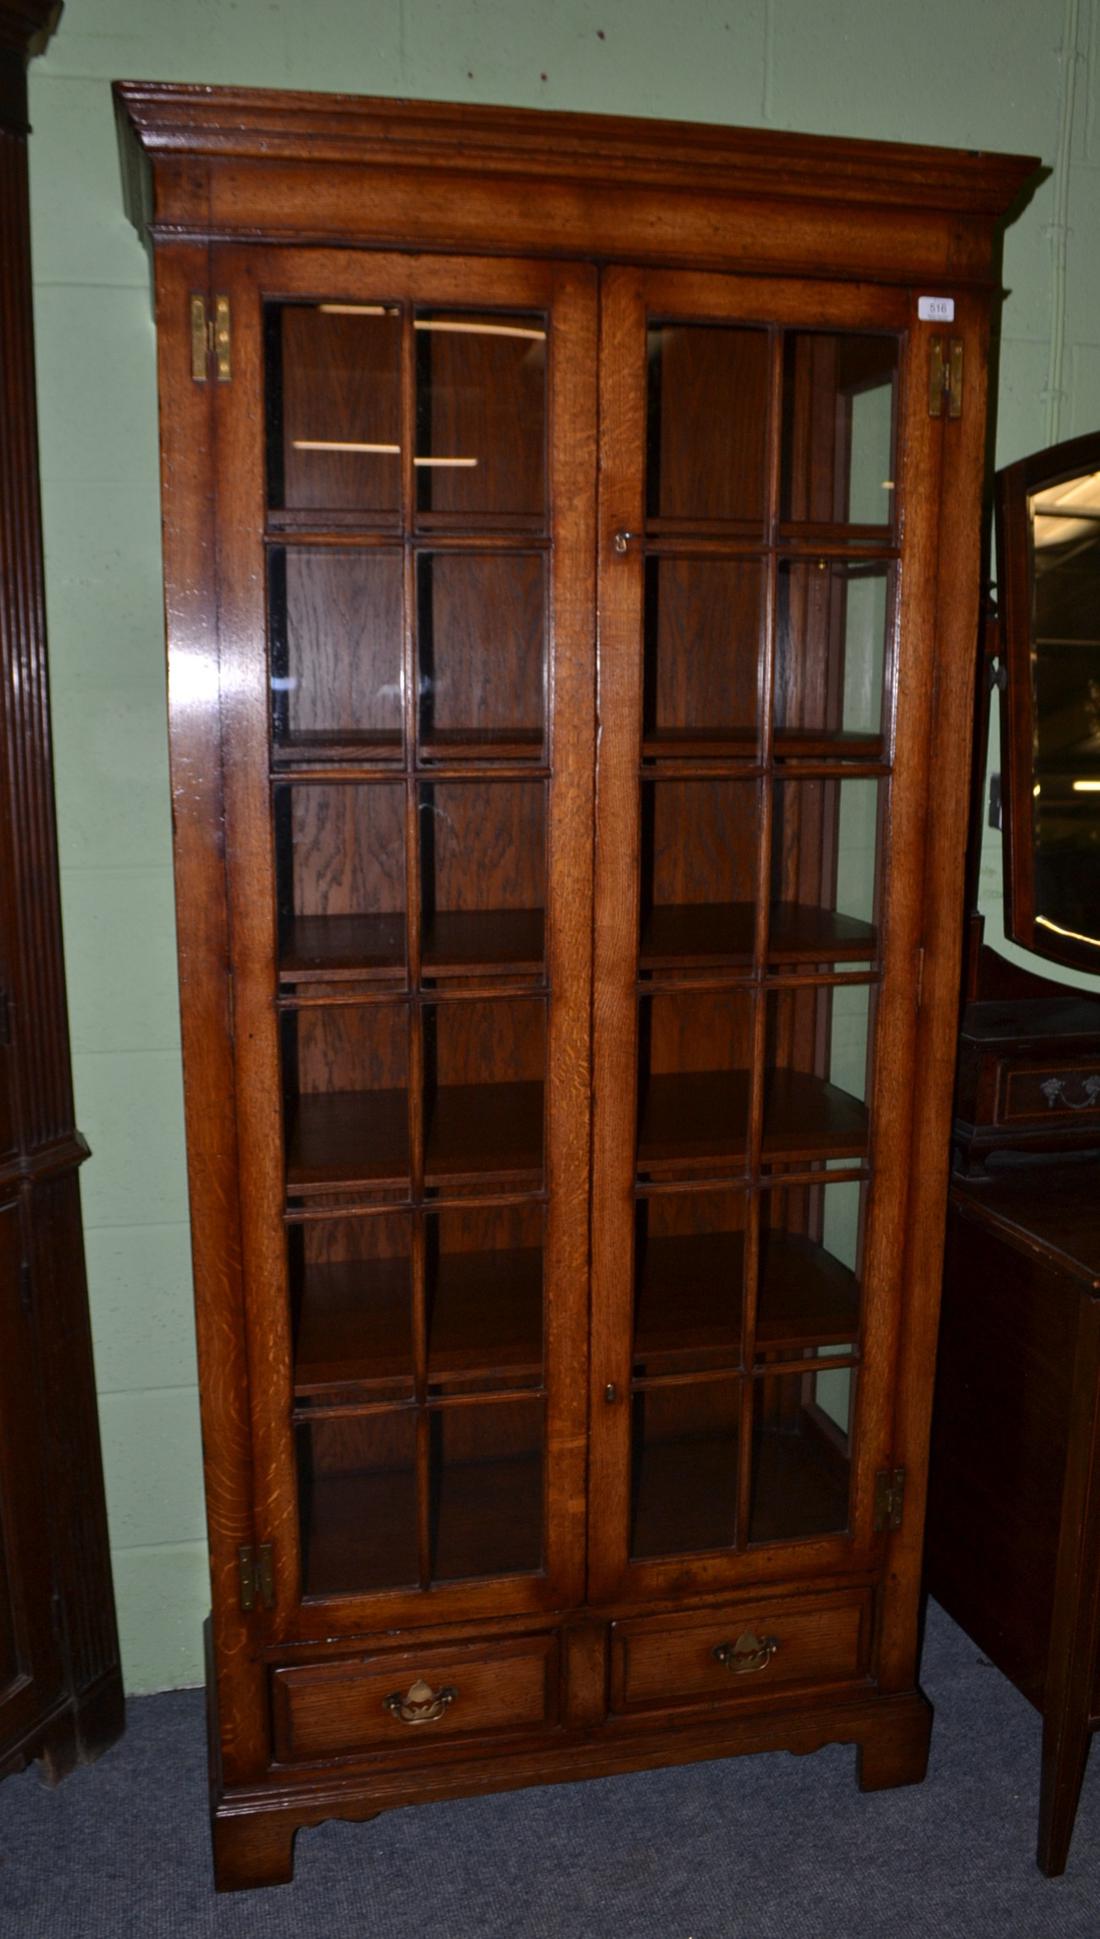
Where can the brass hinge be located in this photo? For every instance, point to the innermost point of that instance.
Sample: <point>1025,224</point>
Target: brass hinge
<point>256,1576</point>
<point>211,337</point>
<point>945,376</point>
<point>889,1498</point>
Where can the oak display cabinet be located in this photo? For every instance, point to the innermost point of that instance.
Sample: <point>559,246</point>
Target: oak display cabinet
<point>571,547</point>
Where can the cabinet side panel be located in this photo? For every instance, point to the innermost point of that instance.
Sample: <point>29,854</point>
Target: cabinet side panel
<point>955,630</point>
<point>187,462</point>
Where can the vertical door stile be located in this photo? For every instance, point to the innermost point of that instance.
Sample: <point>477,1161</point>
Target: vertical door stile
<point>620,594</point>
<point>250,870</point>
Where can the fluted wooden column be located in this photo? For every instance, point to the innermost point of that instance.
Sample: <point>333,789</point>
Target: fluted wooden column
<point>60,1684</point>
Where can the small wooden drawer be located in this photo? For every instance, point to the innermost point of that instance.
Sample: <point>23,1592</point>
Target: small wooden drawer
<point>1048,1093</point>
<point>738,1650</point>
<point>402,1700</point>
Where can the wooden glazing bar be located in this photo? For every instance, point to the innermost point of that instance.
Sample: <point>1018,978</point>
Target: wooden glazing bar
<point>665,985</point>
<point>383,536</point>
<point>719,1376</point>
<point>784,768</point>
<point>486,986</point>
<point>360,1409</point>
<point>486,1202</point>
<point>766,718</point>
<point>778,1181</point>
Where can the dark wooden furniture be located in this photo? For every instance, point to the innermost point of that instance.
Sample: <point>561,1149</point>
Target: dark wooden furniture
<point>1013,1548</point>
<point>567,809</point>
<point>1013,1509</point>
<point>60,1686</point>
<point>1048,546</point>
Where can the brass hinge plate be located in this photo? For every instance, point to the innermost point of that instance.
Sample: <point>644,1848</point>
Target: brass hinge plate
<point>945,376</point>
<point>256,1576</point>
<point>211,337</point>
<point>889,1499</point>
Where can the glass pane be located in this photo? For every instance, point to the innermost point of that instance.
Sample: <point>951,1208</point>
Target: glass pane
<point>480,414</point>
<point>800,1455</point>
<point>702,646</point>
<point>683,1482</point>
<point>693,1086</point>
<point>832,637</point>
<point>839,408</point>
<point>345,1076</point>
<point>351,1309</point>
<point>706,455</point>
<point>357,1502</point>
<point>1066,675</point>
<point>809,1250</point>
<point>340,869</point>
<point>483,869</point>
<point>825,838</point>
<point>484,1062</point>
<point>336,625</point>
<point>481,628</point>
<point>334,407</point>
<point>486,1488</point>
<point>484,1281</point>
<point>815,1081</point>
<point>700,844</point>
<point>688,1270</point>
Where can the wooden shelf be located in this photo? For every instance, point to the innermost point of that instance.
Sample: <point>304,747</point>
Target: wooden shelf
<point>359,1530</point>
<point>348,1140</point>
<point>720,935</point>
<point>483,942</point>
<point>485,1134</point>
<point>688,1308</point>
<point>685,1489</point>
<point>481,744</point>
<point>355,1323</point>
<point>328,949</point>
<point>694,1121</point>
<point>742,744</point>
<point>309,749</point>
<point>477,1134</point>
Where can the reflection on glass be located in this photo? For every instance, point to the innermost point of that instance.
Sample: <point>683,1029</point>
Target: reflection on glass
<point>816,1076</point>
<point>702,644</point>
<point>800,1455</point>
<point>832,637</point>
<point>683,1484</point>
<point>335,631</point>
<point>824,891</point>
<point>480,631</point>
<point>699,856</point>
<point>689,1257</point>
<point>809,1251</point>
<point>351,1308</point>
<point>839,411</point>
<point>483,870</point>
<point>484,1063</point>
<point>357,1502</point>
<point>480,414</point>
<point>484,1299</point>
<point>1065,533</point>
<point>334,407</point>
<point>486,1492</point>
<point>694,1051</point>
<point>706,440</point>
<point>345,1077</point>
<point>340,870</point>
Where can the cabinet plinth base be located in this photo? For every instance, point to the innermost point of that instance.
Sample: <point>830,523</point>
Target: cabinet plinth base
<point>254,1827</point>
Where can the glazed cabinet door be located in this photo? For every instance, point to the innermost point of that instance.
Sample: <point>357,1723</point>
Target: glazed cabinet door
<point>405,457</point>
<point>765,674</point>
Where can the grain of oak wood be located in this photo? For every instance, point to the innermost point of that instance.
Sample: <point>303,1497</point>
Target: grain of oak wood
<point>548,963</point>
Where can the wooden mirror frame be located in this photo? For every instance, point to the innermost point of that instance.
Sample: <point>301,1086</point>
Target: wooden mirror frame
<point>1014,487</point>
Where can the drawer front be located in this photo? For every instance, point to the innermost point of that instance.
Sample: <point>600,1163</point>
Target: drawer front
<point>738,1650</point>
<point>1048,1093</point>
<point>402,1700</point>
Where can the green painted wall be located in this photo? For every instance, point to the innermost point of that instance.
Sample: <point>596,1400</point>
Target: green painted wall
<point>1016,74</point>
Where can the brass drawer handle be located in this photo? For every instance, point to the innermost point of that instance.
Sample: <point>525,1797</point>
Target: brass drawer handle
<point>748,1653</point>
<point>420,1703</point>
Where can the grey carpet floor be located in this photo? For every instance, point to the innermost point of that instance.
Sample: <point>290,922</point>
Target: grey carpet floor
<point>753,1848</point>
